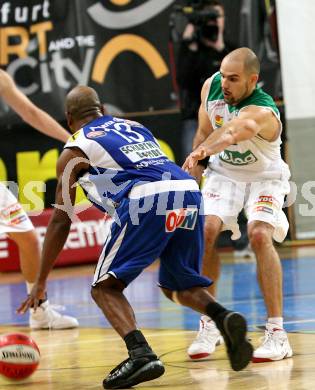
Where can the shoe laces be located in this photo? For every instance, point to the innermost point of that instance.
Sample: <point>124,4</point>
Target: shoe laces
<point>207,332</point>
<point>271,337</point>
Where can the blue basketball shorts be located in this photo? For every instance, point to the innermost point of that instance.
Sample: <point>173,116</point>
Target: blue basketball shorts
<point>169,227</point>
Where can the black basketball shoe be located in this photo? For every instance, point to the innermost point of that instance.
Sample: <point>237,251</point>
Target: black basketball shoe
<point>233,328</point>
<point>141,366</point>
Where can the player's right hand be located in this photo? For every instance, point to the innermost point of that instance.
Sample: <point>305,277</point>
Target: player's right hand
<point>192,160</point>
<point>38,291</point>
<point>197,172</point>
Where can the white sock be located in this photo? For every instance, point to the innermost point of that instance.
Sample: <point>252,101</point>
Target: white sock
<point>276,321</point>
<point>29,287</point>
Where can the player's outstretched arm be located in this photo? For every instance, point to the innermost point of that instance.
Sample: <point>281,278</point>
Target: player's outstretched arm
<point>252,121</point>
<point>30,113</point>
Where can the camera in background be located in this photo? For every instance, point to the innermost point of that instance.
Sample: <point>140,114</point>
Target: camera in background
<point>203,16</point>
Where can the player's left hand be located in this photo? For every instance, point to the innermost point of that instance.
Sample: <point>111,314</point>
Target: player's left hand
<point>192,160</point>
<point>32,301</point>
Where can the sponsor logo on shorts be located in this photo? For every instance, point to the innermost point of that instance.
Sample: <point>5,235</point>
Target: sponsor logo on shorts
<point>264,209</point>
<point>266,200</point>
<point>18,220</point>
<point>96,134</point>
<point>13,214</point>
<point>265,203</point>
<point>12,211</point>
<point>237,158</point>
<point>211,195</point>
<point>181,218</point>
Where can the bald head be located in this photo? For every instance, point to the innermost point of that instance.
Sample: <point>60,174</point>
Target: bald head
<point>83,102</point>
<point>239,75</point>
<point>246,57</point>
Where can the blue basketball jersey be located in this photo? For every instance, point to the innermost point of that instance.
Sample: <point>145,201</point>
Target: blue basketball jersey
<point>124,157</point>
<point>121,153</point>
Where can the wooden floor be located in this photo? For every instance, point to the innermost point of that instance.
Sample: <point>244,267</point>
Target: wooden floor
<point>79,359</point>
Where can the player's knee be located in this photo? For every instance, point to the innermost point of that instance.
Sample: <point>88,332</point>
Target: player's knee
<point>31,240</point>
<point>106,288</point>
<point>95,293</point>
<point>211,231</point>
<point>174,296</point>
<point>27,241</point>
<point>98,293</point>
<point>259,237</point>
<point>34,240</point>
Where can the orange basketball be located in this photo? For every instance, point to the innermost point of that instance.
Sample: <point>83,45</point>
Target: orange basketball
<point>19,356</point>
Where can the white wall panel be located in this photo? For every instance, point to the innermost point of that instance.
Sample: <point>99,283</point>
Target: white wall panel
<point>296,27</point>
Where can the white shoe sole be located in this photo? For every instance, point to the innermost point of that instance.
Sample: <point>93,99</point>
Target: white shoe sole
<point>205,355</point>
<point>289,354</point>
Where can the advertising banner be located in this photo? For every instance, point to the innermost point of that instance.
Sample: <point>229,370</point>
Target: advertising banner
<point>84,243</point>
<point>118,47</point>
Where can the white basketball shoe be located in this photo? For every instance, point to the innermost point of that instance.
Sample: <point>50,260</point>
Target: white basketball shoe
<point>46,317</point>
<point>207,339</point>
<point>275,346</point>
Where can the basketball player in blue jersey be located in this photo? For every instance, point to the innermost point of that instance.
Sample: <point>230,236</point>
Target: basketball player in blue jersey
<point>155,207</point>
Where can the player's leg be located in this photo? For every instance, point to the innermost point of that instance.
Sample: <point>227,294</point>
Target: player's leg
<point>267,222</point>
<point>15,222</point>
<point>128,250</point>
<point>142,364</point>
<point>29,254</point>
<point>223,200</point>
<point>269,271</point>
<point>232,325</point>
<point>211,260</point>
<point>180,280</point>
<point>46,316</point>
<point>208,336</point>
<point>269,274</point>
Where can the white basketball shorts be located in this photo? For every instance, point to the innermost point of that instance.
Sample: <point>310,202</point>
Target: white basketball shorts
<point>12,216</point>
<point>262,201</point>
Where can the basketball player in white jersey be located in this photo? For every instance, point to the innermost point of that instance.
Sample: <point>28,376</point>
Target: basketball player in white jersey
<point>14,220</point>
<point>239,129</point>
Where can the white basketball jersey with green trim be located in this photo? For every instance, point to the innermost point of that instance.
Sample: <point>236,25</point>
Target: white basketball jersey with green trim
<point>251,160</point>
